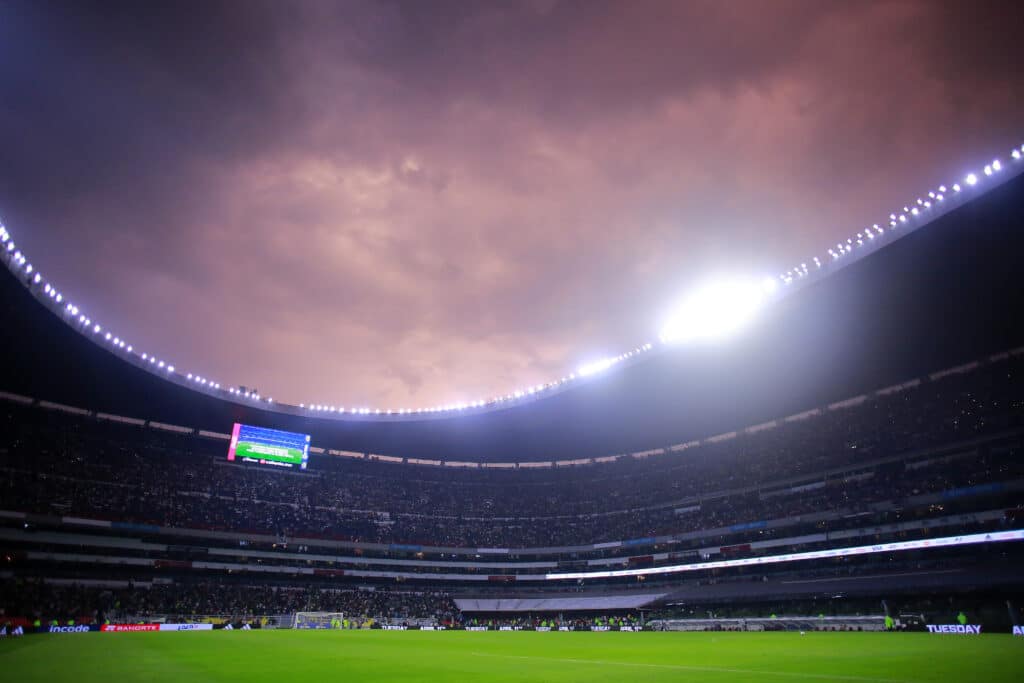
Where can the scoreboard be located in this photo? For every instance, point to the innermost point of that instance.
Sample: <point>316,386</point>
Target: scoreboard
<point>262,446</point>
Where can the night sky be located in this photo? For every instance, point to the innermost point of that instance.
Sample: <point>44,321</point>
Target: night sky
<point>404,204</point>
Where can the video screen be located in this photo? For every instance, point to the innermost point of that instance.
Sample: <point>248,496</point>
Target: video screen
<point>262,446</point>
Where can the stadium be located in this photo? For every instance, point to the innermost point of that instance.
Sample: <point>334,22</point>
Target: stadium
<point>813,500</point>
<point>814,475</point>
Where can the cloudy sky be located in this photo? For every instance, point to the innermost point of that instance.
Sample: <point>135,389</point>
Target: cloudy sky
<point>402,204</point>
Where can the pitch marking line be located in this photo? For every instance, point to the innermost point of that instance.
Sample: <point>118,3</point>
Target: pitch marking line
<point>705,669</point>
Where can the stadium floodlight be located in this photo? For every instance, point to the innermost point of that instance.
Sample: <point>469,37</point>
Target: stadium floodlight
<point>1015,154</point>
<point>170,368</point>
<point>988,170</point>
<point>971,179</point>
<point>713,311</point>
<point>591,368</point>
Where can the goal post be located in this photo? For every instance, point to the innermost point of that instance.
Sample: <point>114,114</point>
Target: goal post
<point>319,620</point>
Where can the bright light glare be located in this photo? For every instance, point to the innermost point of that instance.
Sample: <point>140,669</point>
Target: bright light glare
<point>593,368</point>
<point>714,311</point>
<point>971,179</point>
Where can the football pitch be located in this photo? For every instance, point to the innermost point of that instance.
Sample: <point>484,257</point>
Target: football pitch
<point>318,656</point>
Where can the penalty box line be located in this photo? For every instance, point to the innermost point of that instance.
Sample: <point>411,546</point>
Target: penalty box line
<point>704,669</point>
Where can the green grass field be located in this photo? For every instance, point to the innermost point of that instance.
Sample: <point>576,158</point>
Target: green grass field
<point>320,656</point>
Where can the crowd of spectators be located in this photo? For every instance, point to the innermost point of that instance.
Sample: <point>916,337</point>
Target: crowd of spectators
<point>83,604</point>
<point>59,464</point>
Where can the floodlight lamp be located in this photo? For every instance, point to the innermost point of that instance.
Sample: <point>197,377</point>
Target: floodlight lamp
<point>996,166</point>
<point>714,311</point>
<point>971,179</point>
<point>593,367</point>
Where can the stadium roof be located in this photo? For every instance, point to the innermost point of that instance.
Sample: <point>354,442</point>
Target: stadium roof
<point>937,297</point>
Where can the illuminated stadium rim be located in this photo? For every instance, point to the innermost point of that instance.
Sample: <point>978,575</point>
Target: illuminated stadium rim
<point>941,542</point>
<point>910,217</point>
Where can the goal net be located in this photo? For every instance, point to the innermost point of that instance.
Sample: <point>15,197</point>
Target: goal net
<point>335,620</point>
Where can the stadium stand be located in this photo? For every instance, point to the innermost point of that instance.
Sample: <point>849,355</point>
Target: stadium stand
<point>887,484</point>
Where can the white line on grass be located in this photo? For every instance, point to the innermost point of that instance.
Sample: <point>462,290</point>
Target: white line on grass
<point>706,669</point>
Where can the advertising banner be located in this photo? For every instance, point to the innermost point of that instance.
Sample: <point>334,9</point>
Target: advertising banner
<point>963,629</point>
<point>186,627</point>
<point>83,628</point>
<point>128,628</point>
<point>135,628</point>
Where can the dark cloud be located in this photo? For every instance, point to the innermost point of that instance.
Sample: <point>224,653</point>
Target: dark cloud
<point>410,203</point>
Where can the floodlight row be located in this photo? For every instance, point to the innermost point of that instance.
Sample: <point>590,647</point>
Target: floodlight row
<point>897,220</point>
